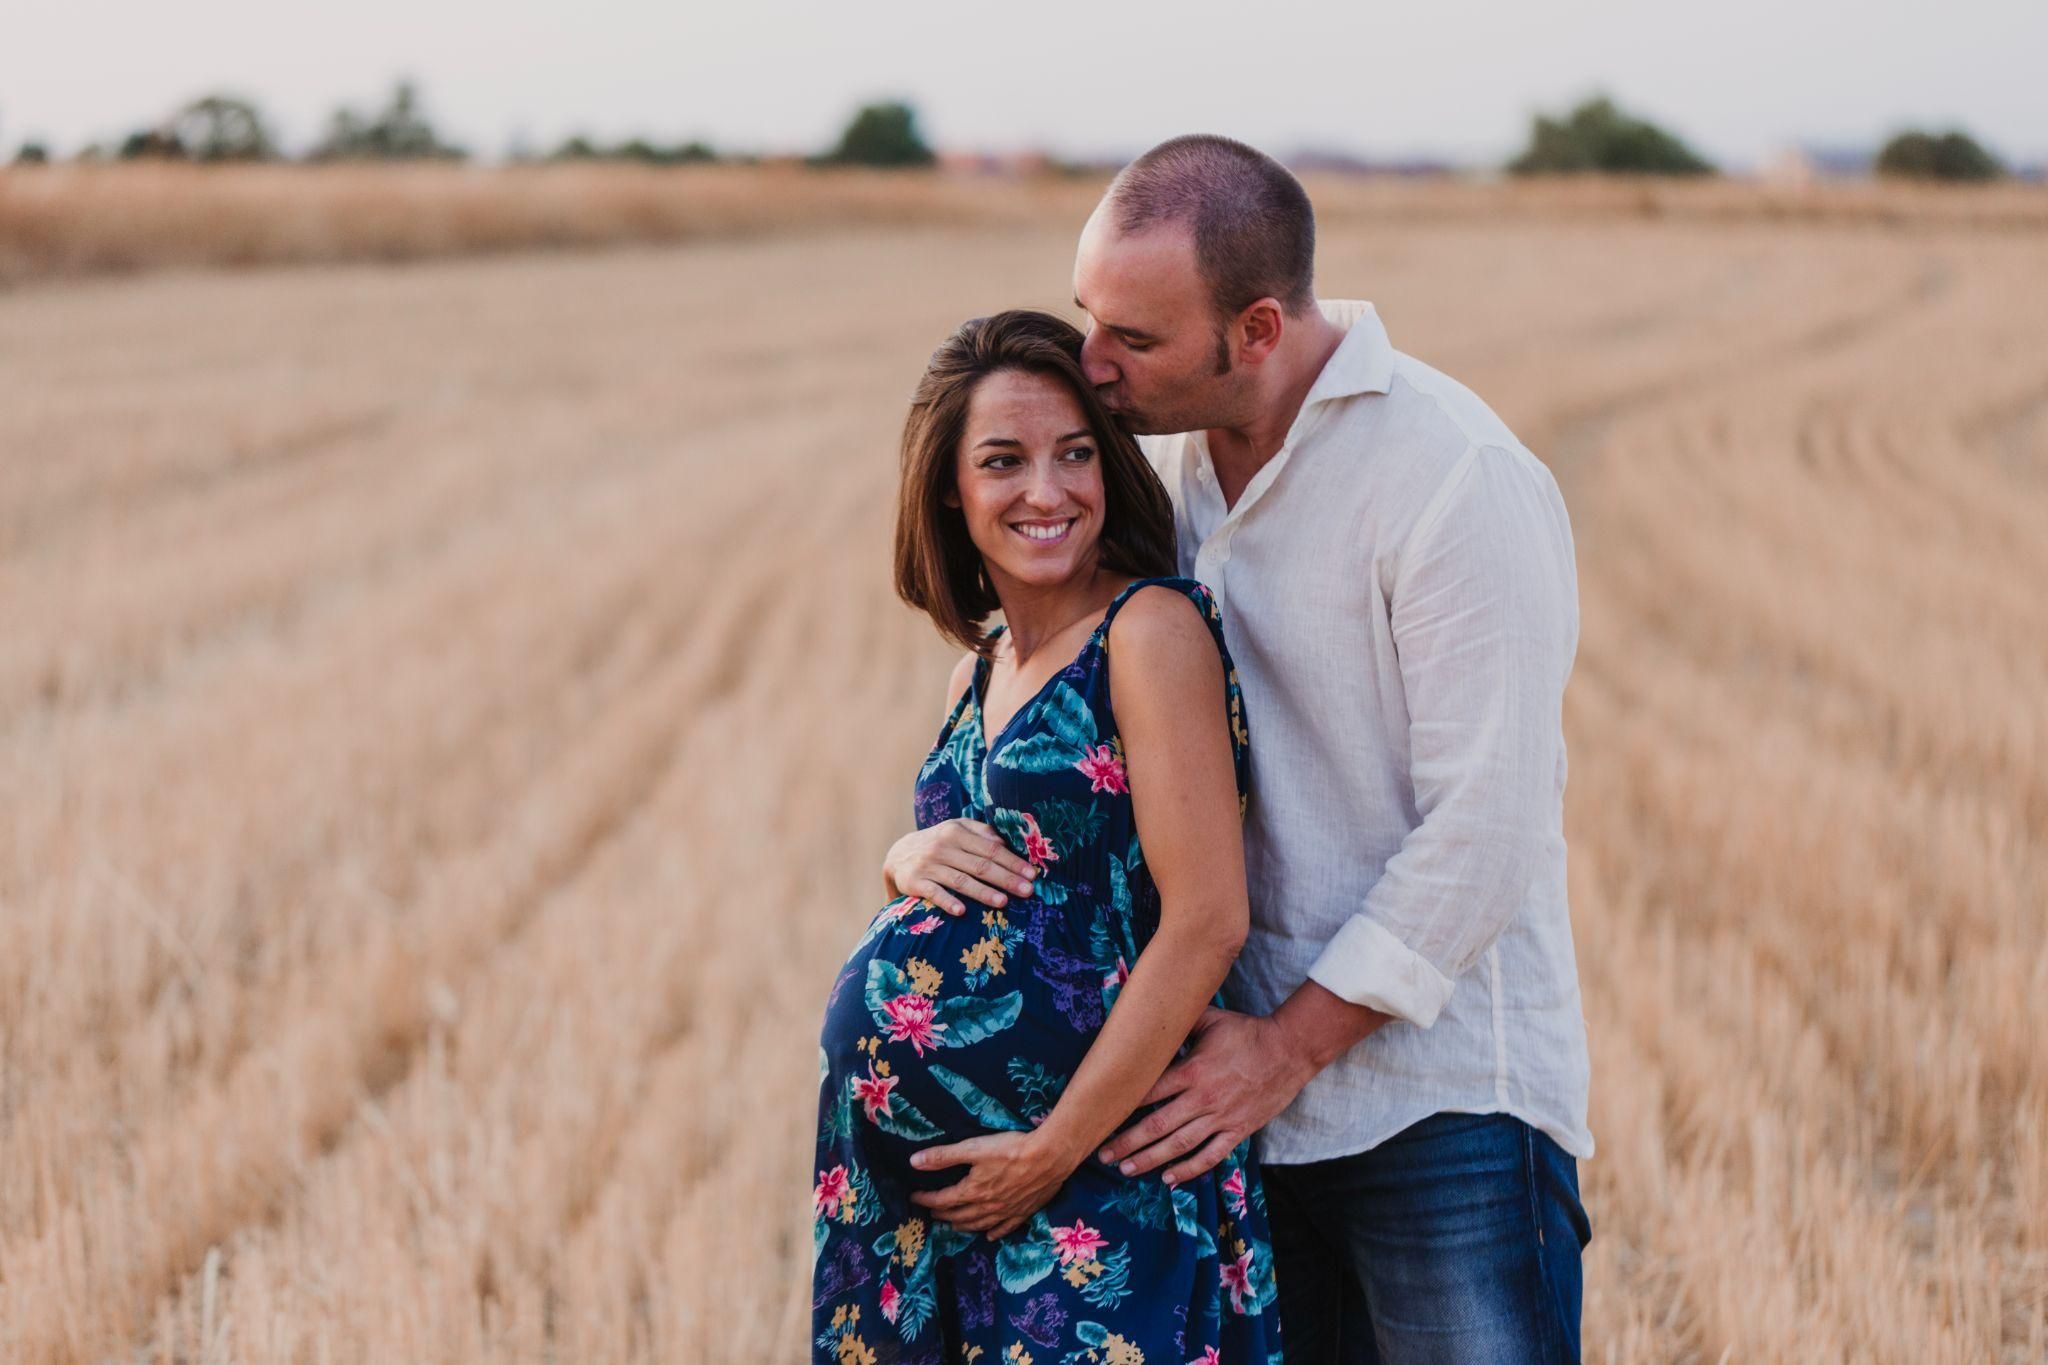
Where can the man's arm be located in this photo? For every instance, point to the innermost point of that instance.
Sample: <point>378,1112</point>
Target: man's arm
<point>1485,622</point>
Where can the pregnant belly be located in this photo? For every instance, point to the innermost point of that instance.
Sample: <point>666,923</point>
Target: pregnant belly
<point>942,1028</point>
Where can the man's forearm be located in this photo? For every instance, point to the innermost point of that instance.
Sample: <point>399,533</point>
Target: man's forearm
<point>1321,1025</point>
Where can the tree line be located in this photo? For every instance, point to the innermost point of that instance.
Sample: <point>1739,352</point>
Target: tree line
<point>1599,137</point>
<point>225,127</point>
<point>1596,137</point>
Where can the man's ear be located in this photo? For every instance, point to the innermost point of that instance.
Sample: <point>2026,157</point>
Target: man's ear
<point>1259,327</point>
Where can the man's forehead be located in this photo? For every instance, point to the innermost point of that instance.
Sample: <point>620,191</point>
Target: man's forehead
<point>1152,268</point>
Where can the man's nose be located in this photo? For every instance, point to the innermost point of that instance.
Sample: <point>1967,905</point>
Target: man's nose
<point>1094,366</point>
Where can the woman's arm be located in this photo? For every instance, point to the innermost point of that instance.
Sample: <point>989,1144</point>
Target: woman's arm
<point>1166,685</point>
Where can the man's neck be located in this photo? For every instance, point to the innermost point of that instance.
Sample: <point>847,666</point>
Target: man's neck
<point>1240,452</point>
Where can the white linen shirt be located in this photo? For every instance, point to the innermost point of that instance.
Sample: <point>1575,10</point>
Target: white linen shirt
<point>1398,591</point>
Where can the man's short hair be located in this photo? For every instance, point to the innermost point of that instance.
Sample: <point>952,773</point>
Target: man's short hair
<point>1255,234</point>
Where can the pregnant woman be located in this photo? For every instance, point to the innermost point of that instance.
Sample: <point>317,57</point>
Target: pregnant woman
<point>972,1064</point>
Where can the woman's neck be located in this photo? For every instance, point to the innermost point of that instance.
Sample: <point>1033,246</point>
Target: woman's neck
<point>1039,614</point>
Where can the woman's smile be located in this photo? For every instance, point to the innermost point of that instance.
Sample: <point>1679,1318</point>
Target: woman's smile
<point>1045,532</point>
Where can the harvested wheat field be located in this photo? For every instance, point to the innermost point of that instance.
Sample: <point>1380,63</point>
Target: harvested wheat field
<point>452,713</point>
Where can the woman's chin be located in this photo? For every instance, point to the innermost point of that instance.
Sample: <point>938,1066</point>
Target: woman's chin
<point>1041,568</point>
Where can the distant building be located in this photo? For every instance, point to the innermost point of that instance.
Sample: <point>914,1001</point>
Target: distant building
<point>1789,168</point>
<point>1315,161</point>
<point>1803,164</point>
<point>1009,165</point>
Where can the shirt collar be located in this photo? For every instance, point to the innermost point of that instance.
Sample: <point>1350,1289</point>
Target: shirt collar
<point>1363,362</point>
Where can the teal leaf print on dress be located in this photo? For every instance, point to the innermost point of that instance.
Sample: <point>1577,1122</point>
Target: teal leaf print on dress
<point>1039,1087</point>
<point>1026,1260</point>
<point>1145,1201</point>
<point>1070,824</point>
<point>992,1112</point>
<point>1049,891</point>
<point>969,1019</point>
<point>1113,1285</point>
<point>1039,754</point>
<point>1067,716</point>
<point>886,981</point>
<point>888,1111</point>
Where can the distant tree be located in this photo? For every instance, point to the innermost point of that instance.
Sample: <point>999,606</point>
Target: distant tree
<point>221,127</point>
<point>580,148</point>
<point>1953,155</point>
<point>399,131</point>
<point>32,154</point>
<point>151,144</point>
<point>881,135</point>
<point>1597,136</point>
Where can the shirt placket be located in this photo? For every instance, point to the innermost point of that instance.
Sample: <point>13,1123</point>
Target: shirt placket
<point>1213,559</point>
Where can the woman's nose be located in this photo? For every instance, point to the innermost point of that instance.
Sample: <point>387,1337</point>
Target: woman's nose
<point>1045,492</point>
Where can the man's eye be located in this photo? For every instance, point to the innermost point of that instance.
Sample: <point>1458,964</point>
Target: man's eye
<point>1137,345</point>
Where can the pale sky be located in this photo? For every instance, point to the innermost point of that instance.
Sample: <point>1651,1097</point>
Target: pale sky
<point>1455,78</point>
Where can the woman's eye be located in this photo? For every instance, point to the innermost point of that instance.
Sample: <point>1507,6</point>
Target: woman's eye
<point>1081,453</point>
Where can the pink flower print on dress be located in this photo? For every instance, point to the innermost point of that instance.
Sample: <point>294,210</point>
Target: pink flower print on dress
<point>873,1093</point>
<point>925,925</point>
<point>1120,975</point>
<point>1104,770</point>
<point>1237,1278</point>
<point>833,1189</point>
<point>911,1020</point>
<point>1078,1243</point>
<point>891,1301</point>
<point>1233,1189</point>
<point>1207,1357</point>
<point>1037,847</point>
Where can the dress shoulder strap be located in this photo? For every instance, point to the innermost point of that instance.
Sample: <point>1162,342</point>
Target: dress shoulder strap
<point>1205,602</point>
<point>1195,590</point>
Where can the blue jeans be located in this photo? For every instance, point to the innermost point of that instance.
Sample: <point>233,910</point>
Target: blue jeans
<point>1454,1242</point>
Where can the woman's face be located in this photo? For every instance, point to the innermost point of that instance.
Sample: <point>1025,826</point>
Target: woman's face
<point>1029,478</point>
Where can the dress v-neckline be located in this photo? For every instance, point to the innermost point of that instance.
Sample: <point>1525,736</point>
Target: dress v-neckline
<point>977,685</point>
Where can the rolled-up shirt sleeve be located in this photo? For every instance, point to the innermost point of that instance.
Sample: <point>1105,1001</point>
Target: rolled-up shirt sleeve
<point>1484,615</point>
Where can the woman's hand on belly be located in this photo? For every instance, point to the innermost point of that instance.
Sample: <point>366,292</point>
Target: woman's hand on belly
<point>958,855</point>
<point>1011,1177</point>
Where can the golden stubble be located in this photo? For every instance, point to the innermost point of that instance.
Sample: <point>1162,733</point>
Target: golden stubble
<point>451,715</point>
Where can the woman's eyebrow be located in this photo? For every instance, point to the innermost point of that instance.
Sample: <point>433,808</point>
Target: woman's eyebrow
<point>1083,433</point>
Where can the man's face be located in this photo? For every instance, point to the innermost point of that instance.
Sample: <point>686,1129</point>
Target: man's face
<point>1153,351</point>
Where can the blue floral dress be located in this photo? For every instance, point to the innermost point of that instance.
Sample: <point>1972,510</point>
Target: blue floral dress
<point>942,1028</point>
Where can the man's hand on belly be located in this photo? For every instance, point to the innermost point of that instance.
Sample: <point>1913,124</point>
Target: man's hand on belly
<point>1240,1071</point>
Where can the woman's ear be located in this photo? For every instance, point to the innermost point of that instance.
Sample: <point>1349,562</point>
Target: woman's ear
<point>951,497</point>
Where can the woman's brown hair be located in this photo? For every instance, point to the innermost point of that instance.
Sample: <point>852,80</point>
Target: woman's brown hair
<point>938,569</point>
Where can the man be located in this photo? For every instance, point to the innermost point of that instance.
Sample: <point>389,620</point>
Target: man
<point>1396,577</point>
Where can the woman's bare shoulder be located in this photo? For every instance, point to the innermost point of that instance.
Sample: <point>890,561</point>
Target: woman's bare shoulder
<point>963,677</point>
<point>1164,638</point>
